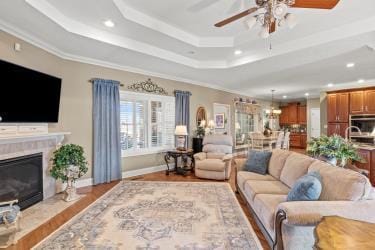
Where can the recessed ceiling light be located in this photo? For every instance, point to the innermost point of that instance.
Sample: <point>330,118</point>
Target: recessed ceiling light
<point>330,85</point>
<point>350,65</point>
<point>307,94</point>
<point>284,97</point>
<point>109,23</point>
<point>238,52</point>
<point>361,81</point>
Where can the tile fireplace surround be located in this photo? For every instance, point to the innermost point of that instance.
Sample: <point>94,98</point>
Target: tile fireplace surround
<point>16,146</point>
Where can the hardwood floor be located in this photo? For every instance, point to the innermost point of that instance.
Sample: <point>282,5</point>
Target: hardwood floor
<point>93,193</point>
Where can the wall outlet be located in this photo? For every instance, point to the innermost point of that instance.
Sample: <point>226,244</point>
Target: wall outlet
<point>17,47</point>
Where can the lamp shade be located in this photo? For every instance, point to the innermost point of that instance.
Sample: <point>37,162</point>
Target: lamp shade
<point>211,124</point>
<point>181,130</point>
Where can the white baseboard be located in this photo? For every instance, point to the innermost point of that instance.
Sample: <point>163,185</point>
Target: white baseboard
<point>126,174</point>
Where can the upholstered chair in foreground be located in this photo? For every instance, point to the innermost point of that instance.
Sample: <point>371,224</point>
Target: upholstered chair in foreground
<point>216,159</point>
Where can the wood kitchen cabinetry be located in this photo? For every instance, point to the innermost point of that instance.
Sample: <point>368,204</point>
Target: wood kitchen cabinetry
<point>338,107</point>
<point>302,115</point>
<point>362,102</point>
<point>298,140</point>
<point>368,156</point>
<point>293,114</point>
<point>337,128</point>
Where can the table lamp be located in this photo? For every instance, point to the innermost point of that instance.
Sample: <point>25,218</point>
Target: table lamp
<point>181,132</point>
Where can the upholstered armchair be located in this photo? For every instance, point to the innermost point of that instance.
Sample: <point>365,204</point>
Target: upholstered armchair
<point>9,223</point>
<point>216,159</point>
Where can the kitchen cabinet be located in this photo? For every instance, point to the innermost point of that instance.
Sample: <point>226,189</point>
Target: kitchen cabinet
<point>303,140</point>
<point>357,102</point>
<point>295,140</point>
<point>337,128</point>
<point>283,119</point>
<point>368,154</point>
<point>302,115</point>
<point>293,113</point>
<point>362,102</point>
<point>370,101</point>
<point>338,107</point>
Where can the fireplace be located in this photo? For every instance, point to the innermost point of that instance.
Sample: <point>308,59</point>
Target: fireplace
<point>22,178</point>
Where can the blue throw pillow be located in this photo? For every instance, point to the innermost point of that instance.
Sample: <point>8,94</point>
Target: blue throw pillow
<point>306,188</point>
<point>257,161</point>
<point>10,216</point>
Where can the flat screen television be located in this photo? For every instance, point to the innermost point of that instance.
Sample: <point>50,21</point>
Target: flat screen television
<point>28,96</point>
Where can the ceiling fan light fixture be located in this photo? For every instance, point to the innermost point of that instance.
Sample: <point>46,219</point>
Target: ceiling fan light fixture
<point>250,22</point>
<point>291,20</point>
<point>279,10</point>
<point>264,33</point>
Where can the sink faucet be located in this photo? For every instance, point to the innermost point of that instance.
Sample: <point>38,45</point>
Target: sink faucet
<point>347,137</point>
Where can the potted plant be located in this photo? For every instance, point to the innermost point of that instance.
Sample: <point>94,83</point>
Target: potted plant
<point>333,149</point>
<point>69,164</point>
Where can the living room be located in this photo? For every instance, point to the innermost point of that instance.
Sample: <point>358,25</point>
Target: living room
<point>128,126</point>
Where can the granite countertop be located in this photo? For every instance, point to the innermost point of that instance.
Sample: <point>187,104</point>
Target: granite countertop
<point>365,146</point>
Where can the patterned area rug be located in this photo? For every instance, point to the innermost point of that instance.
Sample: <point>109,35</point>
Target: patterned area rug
<point>159,215</point>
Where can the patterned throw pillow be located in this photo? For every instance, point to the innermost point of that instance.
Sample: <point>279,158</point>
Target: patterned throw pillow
<point>306,188</point>
<point>257,161</point>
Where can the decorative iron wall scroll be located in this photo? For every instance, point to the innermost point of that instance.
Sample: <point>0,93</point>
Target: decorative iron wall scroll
<point>148,87</point>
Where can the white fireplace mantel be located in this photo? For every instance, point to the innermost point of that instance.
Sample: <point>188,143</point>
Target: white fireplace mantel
<point>59,137</point>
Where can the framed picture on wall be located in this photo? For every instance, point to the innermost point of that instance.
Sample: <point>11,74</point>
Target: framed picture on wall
<point>219,120</point>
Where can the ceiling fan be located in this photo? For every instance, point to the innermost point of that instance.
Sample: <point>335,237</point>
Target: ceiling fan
<point>272,14</point>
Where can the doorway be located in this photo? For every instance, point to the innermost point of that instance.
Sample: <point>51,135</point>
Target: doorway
<point>315,122</point>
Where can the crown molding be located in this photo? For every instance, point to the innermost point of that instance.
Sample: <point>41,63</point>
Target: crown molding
<point>70,57</point>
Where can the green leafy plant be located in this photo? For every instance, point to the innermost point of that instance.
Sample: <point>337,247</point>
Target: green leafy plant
<point>200,132</point>
<point>65,156</point>
<point>333,147</point>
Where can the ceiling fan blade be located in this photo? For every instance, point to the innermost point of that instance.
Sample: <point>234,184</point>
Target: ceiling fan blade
<point>315,4</point>
<point>272,27</point>
<point>202,4</point>
<point>236,17</point>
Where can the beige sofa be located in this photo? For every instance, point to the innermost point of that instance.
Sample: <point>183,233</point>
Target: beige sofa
<point>216,159</point>
<point>290,225</point>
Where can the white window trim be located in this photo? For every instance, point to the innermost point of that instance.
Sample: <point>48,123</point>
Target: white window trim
<point>134,96</point>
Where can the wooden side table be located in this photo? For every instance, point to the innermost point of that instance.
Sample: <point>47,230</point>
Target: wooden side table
<point>335,232</point>
<point>184,155</point>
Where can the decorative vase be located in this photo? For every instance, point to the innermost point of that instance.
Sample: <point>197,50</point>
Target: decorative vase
<point>267,132</point>
<point>330,160</point>
<point>70,193</point>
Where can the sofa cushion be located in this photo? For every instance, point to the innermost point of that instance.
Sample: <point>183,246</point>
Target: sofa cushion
<point>265,206</point>
<point>341,184</point>
<point>243,176</point>
<point>257,161</point>
<point>253,188</point>
<point>213,155</point>
<point>211,165</point>
<point>277,162</point>
<point>306,188</point>
<point>295,166</point>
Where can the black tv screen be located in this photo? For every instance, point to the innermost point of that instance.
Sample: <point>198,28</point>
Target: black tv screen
<point>27,95</point>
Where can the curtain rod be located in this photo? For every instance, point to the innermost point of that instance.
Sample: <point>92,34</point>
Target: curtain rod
<point>92,80</point>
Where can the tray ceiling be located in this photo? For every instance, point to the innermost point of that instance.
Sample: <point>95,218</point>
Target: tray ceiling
<point>176,39</point>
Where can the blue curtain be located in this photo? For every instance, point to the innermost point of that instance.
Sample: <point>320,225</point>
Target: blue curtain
<point>183,109</point>
<point>106,115</point>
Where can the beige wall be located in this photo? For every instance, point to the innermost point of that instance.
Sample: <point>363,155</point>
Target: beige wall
<point>76,98</point>
<point>311,103</point>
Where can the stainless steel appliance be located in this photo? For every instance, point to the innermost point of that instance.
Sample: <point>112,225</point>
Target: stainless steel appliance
<point>366,124</point>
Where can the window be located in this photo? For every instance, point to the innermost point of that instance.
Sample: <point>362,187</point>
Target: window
<point>147,123</point>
